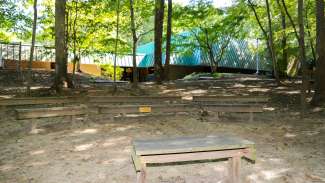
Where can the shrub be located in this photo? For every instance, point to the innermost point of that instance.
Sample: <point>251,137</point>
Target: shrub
<point>108,71</point>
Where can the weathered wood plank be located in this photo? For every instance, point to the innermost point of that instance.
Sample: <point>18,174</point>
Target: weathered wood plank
<point>230,99</point>
<point>240,108</point>
<point>39,100</point>
<point>50,112</point>
<point>195,156</point>
<point>125,109</point>
<point>134,99</point>
<point>190,144</point>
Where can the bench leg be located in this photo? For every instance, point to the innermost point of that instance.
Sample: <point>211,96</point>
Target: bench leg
<point>251,117</point>
<point>141,176</point>
<point>234,169</point>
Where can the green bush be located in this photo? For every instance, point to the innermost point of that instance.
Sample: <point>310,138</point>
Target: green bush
<point>108,71</point>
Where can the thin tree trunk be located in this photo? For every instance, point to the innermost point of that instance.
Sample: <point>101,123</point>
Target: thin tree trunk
<point>269,47</point>
<point>302,55</point>
<point>284,36</point>
<point>309,33</point>
<point>272,50</point>
<point>159,20</point>
<point>319,96</point>
<point>29,72</point>
<point>168,38</point>
<point>116,41</point>
<point>134,45</point>
<point>75,57</point>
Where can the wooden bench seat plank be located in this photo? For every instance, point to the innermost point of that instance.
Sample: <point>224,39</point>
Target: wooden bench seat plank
<point>50,112</point>
<point>38,100</point>
<point>189,145</point>
<point>230,99</point>
<point>134,99</point>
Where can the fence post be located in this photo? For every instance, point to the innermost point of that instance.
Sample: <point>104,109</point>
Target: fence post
<point>19,62</point>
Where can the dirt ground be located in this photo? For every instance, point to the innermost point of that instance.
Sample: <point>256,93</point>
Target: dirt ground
<point>289,149</point>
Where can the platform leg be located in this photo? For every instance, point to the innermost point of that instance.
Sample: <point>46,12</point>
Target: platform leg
<point>141,176</point>
<point>234,169</point>
<point>251,117</point>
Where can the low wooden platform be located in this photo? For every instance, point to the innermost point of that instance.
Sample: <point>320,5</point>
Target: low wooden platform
<point>134,99</point>
<point>230,99</point>
<point>50,112</point>
<point>38,100</point>
<point>191,149</point>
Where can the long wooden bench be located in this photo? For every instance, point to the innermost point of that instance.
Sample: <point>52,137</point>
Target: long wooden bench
<point>134,99</point>
<point>50,112</point>
<point>38,100</point>
<point>230,99</point>
<point>192,149</point>
<point>178,108</point>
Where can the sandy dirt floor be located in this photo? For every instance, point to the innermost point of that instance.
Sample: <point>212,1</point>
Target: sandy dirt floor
<point>289,149</point>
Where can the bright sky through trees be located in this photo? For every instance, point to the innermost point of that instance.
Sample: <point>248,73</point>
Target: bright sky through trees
<point>216,3</point>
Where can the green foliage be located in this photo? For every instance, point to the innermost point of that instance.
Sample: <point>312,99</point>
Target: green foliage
<point>108,71</point>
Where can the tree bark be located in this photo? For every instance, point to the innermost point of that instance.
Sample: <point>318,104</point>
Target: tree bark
<point>319,96</point>
<point>284,37</point>
<point>61,75</point>
<point>134,45</point>
<point>31,56</point>
<point>168,38</point>
<point>272,50</point>
<point>159,20</point>
<point>302,55</point>
<point>116,41</point>
<point>266,36</point>
<point>75,57</point>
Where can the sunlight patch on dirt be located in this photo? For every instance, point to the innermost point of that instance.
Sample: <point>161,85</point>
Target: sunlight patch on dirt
<point>37,152</point>
<point>272,174</point>
<point>87,131</point>
<point>83,147</point>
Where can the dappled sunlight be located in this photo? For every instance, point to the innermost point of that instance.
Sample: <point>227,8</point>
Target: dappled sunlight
<point>259,90</point>
<point>272,174</point>
<point>197,91</point>
<point>86,131</point>
<point>83,147</point>
<point>115,141</point>
<point>268,108</point>
<point>293,92</point>
<point>38,152</point>
<point>7,167</point>
<point>37,131</point>
<point>38,163</point>
<point>114,161</point>
<point>171,91</point>
<point>290,135</point>
<point>122,129</point>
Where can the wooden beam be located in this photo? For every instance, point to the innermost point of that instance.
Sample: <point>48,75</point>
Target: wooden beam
<point>230,99</point>
<point>50,112</point>
<point>39,100</point>
<point>134,99</point>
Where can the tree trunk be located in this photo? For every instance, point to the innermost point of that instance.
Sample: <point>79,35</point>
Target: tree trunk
<point>272,50</point>
<point>319,96</point>
<point>134,46</point>
<point>311,42</point>
<point>29,72</point>
<point>284,38</point>
<point>269,47</point>
<point>61,75</point>
<point>159,20</point>
<point>116,41</point>
<point>168,38</point>
<point>302,55</point>
<point>75,57</point>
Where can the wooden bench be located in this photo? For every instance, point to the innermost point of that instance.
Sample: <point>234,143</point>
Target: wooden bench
<point>50,112</point>
<point>134,99</point>
<point>191,149</point>
<point>179,108</point>
<point>229,99</point>
<point>38,100</point>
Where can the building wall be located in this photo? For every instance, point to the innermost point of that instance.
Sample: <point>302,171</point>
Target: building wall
<point>178,71</point>
<point>91,69</point>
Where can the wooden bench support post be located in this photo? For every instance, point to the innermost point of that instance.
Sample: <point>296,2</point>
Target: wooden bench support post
<point>141,175</point>
<point>234,169</point>
<point>251,117</point>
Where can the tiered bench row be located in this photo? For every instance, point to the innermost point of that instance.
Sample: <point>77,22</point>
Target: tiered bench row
<point>68,106</point>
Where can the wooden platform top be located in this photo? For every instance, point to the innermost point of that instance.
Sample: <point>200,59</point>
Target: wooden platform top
<point>189,144</point>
